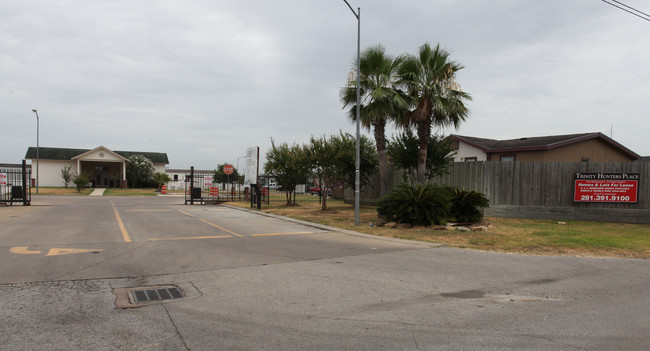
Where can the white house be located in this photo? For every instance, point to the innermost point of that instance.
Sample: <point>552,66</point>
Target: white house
<point>104,167</point>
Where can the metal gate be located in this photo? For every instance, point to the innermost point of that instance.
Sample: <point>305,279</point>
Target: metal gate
<point>14,186</point>
<point>200,187</point>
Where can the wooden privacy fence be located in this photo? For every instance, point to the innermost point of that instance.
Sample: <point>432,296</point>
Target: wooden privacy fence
<point>538,189</point>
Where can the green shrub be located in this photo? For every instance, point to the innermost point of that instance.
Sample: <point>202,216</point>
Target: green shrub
<point>66,175</point>
<point>80,181</point>
<point>161,179</point>
<point>422,204</point>
<point>466,205</point>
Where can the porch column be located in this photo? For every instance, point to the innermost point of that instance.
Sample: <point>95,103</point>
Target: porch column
<point>123,171</point>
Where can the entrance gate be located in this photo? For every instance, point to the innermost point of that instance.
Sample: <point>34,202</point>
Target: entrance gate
<point>200,187</point>
<point>14,186</point>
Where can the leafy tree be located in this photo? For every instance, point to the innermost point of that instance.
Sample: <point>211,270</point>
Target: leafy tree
<point>420,204</point>
<point>81,181</point>
<point>161,178</point>
<point>139,170</point>
<point>223,178</point>
<point>435,96</point>
<point>333,159</point>
<point>66,175</point>
<point>322,156</point>
<point>288,165</point>
<point>380,100</point>
<point>347,159</point>
<point>403,151</point>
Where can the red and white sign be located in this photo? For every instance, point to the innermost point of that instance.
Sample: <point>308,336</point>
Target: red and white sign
<point>228,169</point>
<point>606,187</point>
<point>3,178</point>
<point>207,180</point>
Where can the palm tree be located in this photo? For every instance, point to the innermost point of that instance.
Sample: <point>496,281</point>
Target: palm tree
<point>436,98</point>
<point>380,100</point>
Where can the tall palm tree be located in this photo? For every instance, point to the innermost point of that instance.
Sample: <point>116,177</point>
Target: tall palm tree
<point>436,98</point>
<point>380,100</point>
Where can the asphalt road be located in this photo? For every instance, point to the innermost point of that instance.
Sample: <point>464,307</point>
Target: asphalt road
<point>254,282</point>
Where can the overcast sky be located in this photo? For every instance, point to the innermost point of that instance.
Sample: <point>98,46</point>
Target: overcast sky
<point>204,80</point>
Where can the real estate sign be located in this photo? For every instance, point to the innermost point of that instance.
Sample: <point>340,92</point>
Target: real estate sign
<point>606,187</point>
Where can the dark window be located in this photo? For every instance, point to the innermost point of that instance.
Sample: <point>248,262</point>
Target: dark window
<point>508,158</point>
<point>175,177</point>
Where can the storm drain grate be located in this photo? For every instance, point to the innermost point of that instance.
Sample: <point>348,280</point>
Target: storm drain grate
<point>149,295</point>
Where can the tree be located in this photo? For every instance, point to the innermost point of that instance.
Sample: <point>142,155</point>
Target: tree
<point>222,178</point>
<point>347,159</point>
<point>333,159</point>
<point>161,178</point>
<point>321,154</point>
<point>139,170</point>
<point>380,102</point>
<point>403,152</point>
<point>435,96</point>
<point>288,165</point>
<point>66,175</point>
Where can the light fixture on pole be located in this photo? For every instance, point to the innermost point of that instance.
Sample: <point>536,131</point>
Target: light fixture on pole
<point>238,173</point>
<point>357,174</point>
<point>37,147</point>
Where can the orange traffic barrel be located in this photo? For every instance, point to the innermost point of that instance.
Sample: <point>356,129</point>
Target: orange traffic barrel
<point>164,189</point>
<point>214,191</point>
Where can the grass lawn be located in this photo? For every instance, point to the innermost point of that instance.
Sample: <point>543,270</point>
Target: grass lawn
<point>545,237</point>
<point>72,191</point>
<point>130,192</point>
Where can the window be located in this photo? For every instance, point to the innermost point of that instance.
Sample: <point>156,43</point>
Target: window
<point>508,158</point>
<point>175,177</point>
<point>470,159</point>
<point>584,159</point>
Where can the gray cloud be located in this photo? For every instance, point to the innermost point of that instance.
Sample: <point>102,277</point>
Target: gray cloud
<point>203,80</point>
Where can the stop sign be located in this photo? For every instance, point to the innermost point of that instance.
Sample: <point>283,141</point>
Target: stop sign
<point>228,169</point>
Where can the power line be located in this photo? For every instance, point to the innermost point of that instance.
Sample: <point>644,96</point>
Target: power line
<point>628,9</point>
<point>631,8</point>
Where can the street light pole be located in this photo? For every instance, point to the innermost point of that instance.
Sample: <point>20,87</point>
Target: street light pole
<point>238,188</point>
<point>357,174</point>
<point>37,147</point>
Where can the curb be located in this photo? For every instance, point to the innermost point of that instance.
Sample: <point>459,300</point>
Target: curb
<point>339,230</point>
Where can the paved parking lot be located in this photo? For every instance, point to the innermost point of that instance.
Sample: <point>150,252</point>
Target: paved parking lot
<point>253,282</point>
<point>111,237</point>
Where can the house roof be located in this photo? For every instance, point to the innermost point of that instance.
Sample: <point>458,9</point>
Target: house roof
<point>58,153</point>
<point>104,148</point>
<point>539,143</point>
<point>13,165</point>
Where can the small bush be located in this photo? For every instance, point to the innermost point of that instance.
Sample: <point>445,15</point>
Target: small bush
<point>66,175</point>
<point>466,205</point>
<point>80,181</point>
<point>422,204</point>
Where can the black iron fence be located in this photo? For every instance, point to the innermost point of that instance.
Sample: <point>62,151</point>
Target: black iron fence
<point>15,186</point>
<point>200,188</point>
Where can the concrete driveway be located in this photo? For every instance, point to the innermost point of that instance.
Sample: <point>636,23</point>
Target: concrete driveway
<point>251,282</point>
